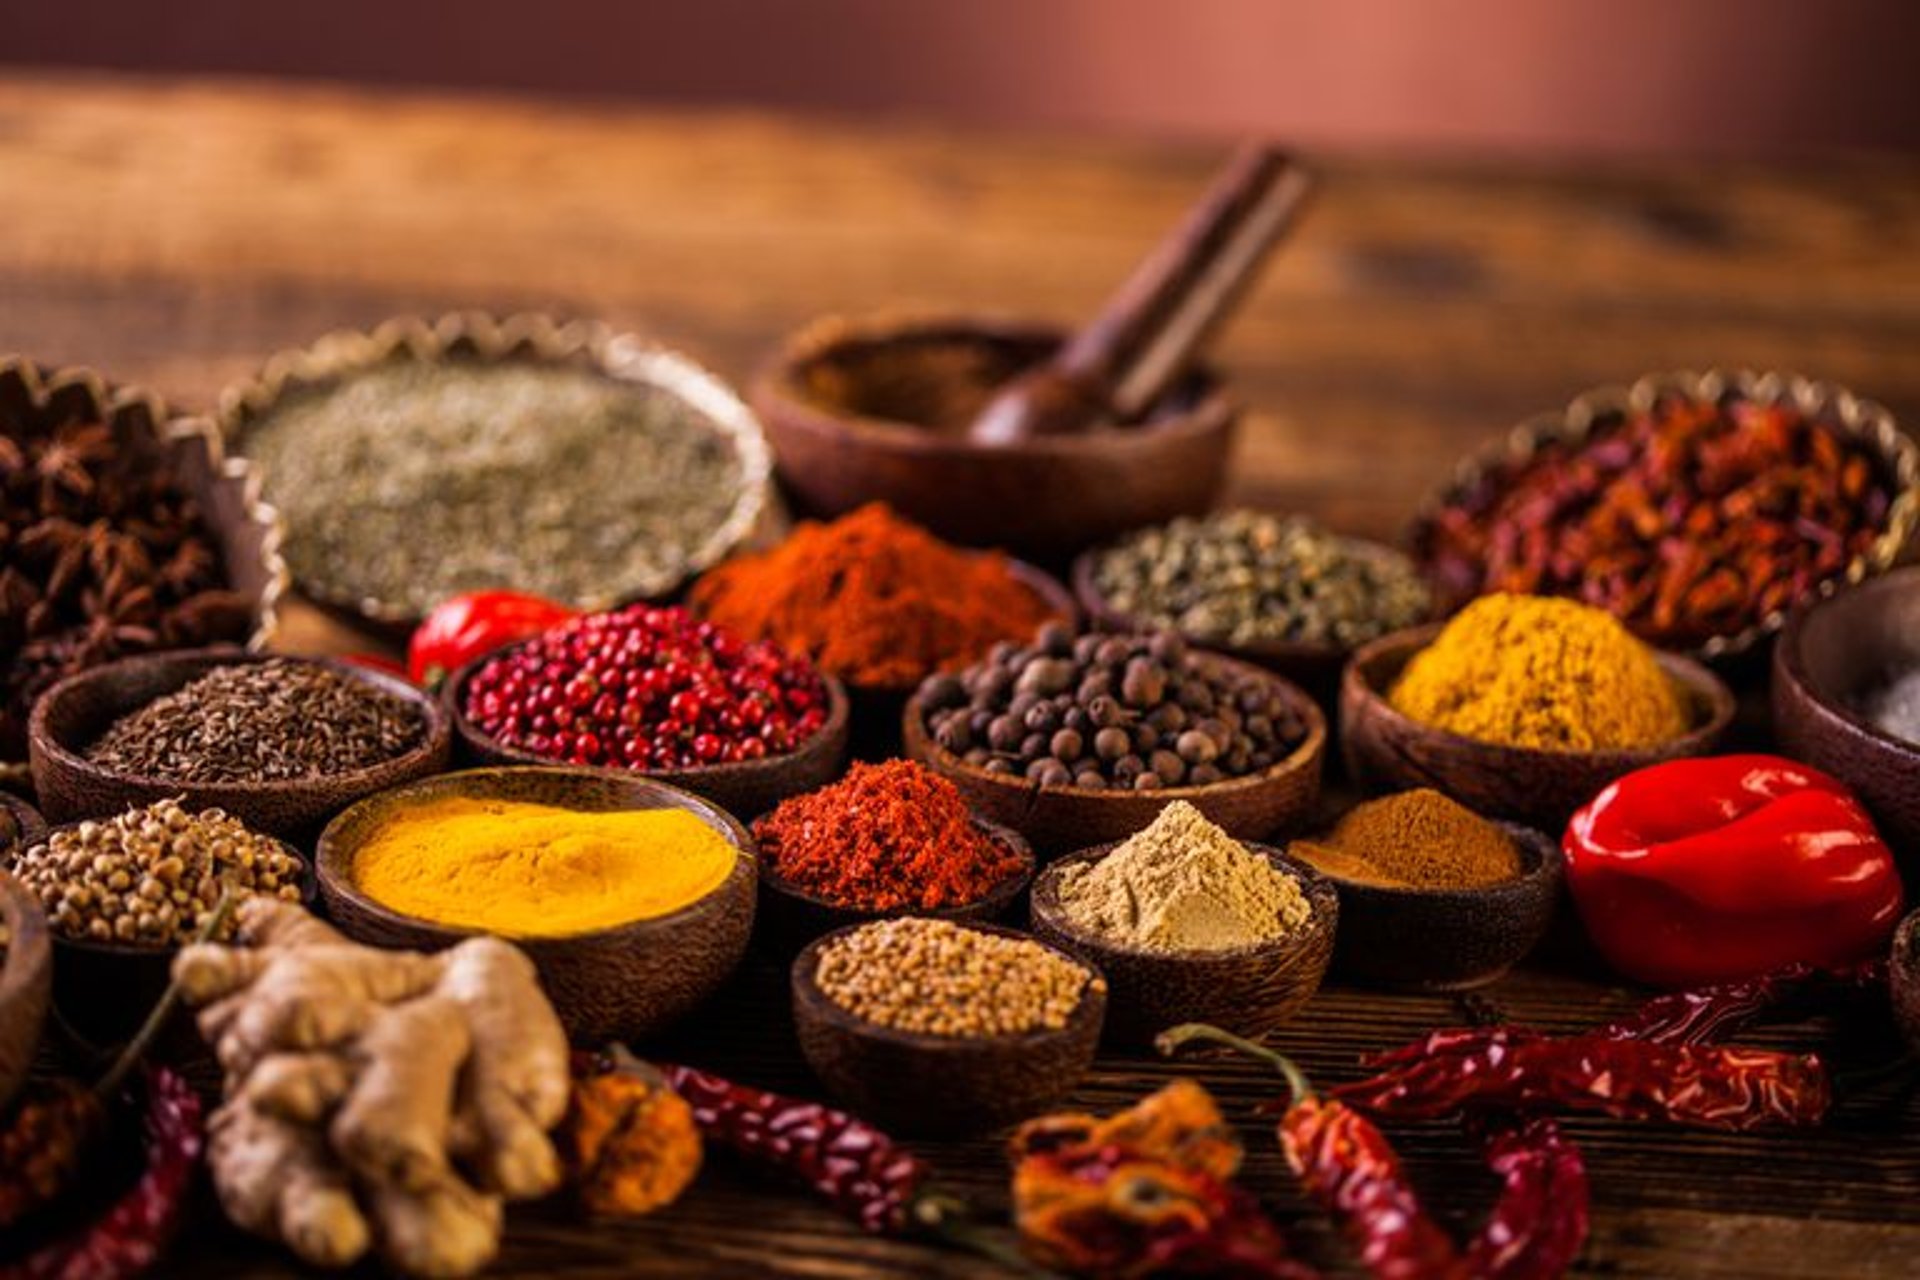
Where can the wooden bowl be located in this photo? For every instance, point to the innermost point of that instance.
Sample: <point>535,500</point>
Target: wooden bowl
<point>878,408</point>
<point>1448,939</point>
<point>1314,667</point>
<point>876,710</point>
<point>475,338</point>
<point>1903,978</point>
<point>931,1084</point>
<point>1060,819</point>
<point>1249,990</point>
<point>627,982</point>
<point>1388,751</point>
<point>75,712</point>
<point>1831,654</point>
<point>790,916</point>
<point>1486,470</point>
<point>742,787</point>
<point>26,984</point>
<point>245,530</point>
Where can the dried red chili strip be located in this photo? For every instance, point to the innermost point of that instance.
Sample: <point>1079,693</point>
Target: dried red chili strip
<point>1711,1086</point>
<point>1540,1222</point>
<point>1707,1014</point>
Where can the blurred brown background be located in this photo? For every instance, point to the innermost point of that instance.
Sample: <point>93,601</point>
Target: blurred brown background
<point>1777,77</point>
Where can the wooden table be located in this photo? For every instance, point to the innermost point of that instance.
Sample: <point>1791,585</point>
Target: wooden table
<point>175,233</point>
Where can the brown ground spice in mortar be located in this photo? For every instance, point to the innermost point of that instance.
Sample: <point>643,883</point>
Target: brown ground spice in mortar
<point>1415,840</point>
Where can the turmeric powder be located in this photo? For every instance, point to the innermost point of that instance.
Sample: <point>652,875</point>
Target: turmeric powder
<point>534,870</point>
<point>1532,671</point>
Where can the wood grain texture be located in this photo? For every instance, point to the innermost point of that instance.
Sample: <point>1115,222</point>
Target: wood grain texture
<point>176,233</point>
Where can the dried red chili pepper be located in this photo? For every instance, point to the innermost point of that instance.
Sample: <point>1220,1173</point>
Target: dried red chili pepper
<point>1713,1087</point>
<point>1347,1166</point>
<point>136,1229</point>
<point>1540,1220</point>
<point>1706,1014</point>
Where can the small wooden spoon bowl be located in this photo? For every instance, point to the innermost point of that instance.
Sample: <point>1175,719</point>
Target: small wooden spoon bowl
<point>1248,990</point>
<point>931,1084</point>
<point>1314,667</point>
<point>1388,751</point>
<point>74,713</point>
<point>26,984</point>
<point>741,787</point>
<point>1060,819</point>
<point>790,916</point>
<point>626,982</point>
<point>1448,939</point>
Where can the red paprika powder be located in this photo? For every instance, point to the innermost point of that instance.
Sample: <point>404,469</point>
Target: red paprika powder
<point>886,836</point>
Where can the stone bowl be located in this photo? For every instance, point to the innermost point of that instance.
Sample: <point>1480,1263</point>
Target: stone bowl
<point>791,916</point>
<point>26,984</point>
<point>1388,751</point>
<point>1315,667</point>
<point>1830,654</point>
<point>1061,819</point>
<point>1247,990</point>
<point>1448,939</point>
<point>742,787</point>
<point>627,982</point>
<point>878,408</point>
<point>941,1085</point>
<point>75,712</point>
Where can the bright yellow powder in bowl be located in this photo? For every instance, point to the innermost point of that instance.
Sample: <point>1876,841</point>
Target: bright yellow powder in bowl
<point>534,870</point>
<point>1551,674</point>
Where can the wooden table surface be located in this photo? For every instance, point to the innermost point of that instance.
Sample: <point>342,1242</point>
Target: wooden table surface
<point>174,234</point>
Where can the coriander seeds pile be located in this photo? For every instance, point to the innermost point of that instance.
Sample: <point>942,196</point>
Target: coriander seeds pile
<point>152,876</point>
<point>272,721</point>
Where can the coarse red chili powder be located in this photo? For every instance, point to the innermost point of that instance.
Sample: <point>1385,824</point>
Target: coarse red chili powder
<point>887,835</point>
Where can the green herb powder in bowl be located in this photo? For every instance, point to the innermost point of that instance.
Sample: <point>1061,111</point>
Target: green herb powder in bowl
<point>410,481</point>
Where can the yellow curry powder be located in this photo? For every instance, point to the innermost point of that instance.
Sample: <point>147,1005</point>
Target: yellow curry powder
<point>1533,671</point>
<point>534,870</point>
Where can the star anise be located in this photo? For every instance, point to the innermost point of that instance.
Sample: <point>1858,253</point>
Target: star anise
<point>69,458</point>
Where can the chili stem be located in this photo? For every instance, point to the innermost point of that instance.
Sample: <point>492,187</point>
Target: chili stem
<point>1170,1041</point>
<point>948,1219</point>
<point>163,1009</point>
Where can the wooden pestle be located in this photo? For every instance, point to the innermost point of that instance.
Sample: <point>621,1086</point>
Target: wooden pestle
<point>1117,367</point>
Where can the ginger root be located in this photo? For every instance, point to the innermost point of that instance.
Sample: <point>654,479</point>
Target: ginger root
<point>376,1100</point>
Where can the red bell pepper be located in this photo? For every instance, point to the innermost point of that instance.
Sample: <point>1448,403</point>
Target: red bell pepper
<point>465,627</point>
<point>1711,870</point>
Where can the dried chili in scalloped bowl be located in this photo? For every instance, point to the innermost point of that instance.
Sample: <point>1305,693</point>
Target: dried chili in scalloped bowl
<point>1697,507</point>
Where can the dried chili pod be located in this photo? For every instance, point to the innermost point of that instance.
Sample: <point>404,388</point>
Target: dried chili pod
<point>1706,1014</point>
<point>1541,1219</point>
<point>131,1235</point>
<point>632,1143</point>
<point>1347,1166</point>
<point>1716,1087</point>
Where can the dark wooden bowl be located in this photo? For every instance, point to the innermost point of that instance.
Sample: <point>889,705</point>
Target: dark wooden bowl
<point>1448,939</point>
<point>626,982</point>
<point>103,991</point>
<point>940,1084</point>
<point>26,984</point>
<point>1830,655</point>
<point>859,410</point>
<point>742,788</point>
<point>1249,990</point>
<point>246,530</point>
<point>1387,751</point>
<point>1903,978</point>
<point>1488,470</point>
<point>1061,819</point>
<point>876,710</point>
<point>1314,667</point>
<point>790,917</point>
<point>75,712</point>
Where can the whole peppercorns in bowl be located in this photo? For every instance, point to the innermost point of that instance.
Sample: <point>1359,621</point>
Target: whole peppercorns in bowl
<point>1082,739</point>
<point>656,691</point>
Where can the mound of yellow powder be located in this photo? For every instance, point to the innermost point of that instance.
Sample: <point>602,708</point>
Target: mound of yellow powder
<point>534,870</point>
<point>1532,671</point>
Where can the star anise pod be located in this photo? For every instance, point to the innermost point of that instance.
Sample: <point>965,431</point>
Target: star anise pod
<point>68,460</point>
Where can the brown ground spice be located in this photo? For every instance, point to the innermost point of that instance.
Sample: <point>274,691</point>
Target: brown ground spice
<point>1418,840</point>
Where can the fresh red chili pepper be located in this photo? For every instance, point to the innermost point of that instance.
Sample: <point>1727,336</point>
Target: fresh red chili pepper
<point>1707,870</point>
<point>131,1235</point>
<point>1540,1221</point>
<point>1347,1166</point>
<point>467,626</point>
<point>1716,1087</point>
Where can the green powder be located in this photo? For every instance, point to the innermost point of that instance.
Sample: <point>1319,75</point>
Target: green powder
<point>1182,884</point>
